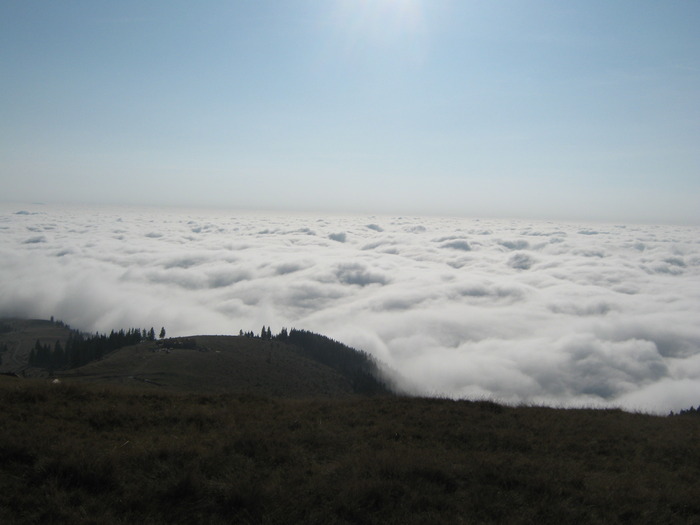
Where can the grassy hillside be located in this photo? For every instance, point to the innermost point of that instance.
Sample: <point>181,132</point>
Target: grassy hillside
<point>217,364</point>
<point>20,335</point>
<point>292,364</point>
<point>84,453</point>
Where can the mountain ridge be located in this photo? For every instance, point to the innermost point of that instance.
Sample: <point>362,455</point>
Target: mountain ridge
<point>294,363</point>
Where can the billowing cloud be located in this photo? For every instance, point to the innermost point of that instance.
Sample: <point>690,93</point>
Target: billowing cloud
<point>354,273</point>
<point>458,245</point>
<point>520,261</point>
<point>339,237</point>
<point>519,244</point>
<point>563,314</point>
<point>35,240</point>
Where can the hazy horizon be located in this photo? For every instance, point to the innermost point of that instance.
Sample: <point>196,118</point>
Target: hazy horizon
<point>575,111</point>
<point>97,206</point>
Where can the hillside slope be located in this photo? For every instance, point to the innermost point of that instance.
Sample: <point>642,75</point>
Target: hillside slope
<point>19,337</point>
<point>292,364</point>
<point>216,364</point>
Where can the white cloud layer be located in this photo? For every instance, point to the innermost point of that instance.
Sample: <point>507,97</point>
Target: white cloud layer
<point>520,311</point>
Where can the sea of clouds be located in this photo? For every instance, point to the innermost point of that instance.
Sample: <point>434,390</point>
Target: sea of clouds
<point>563,314</point>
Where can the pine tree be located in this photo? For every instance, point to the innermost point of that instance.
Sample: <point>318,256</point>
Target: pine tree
<point>162,333</point>
<point>58,357</point>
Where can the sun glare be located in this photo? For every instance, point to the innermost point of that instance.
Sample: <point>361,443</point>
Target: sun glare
<point>380,21</point>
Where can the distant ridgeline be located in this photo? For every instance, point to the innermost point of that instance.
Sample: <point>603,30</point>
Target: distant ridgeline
<point>81,348</point>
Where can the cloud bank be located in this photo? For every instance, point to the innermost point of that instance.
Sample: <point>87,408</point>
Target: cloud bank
<point>519,311</point>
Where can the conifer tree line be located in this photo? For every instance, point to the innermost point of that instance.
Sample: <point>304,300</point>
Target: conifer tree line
<point>81,348</point>
<point>358,366</point>
<point>265,334</point>
<point>687,412</point>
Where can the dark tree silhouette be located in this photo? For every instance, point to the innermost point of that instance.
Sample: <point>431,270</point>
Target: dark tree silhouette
<point>359,367</point>
<point>81,348</point>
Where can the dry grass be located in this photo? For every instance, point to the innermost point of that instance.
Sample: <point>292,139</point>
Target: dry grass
<point>74,453</point>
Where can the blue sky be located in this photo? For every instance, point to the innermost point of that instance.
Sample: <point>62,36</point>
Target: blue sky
<point>557,110</point>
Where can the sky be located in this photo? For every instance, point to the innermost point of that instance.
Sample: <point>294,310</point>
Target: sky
<point>518,311</point>
<point>542,109</point>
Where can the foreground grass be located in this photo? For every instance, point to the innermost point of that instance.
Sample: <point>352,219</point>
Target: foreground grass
<point>85,454</point>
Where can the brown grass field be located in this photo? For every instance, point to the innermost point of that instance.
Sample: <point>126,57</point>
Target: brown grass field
<point>107,454</point>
